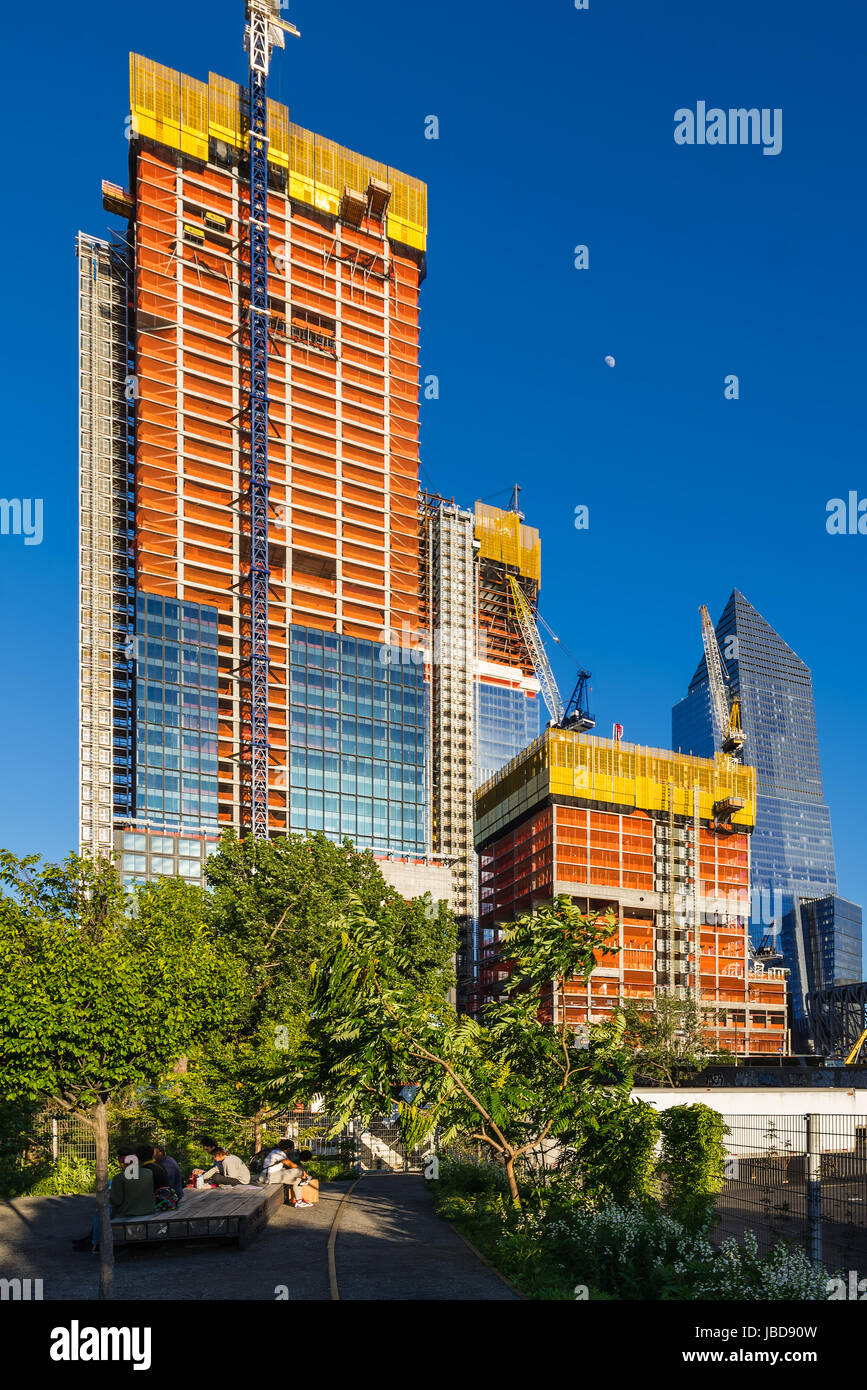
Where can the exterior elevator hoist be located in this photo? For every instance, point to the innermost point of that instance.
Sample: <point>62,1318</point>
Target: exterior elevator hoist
<point>264,31</point>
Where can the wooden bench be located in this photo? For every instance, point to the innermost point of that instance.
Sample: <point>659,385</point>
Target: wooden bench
<point>211,1213</point>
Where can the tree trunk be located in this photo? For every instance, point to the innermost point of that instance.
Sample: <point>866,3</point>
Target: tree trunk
<point>257,1131</point>
<point>106,1248</point>
<point>513,1185</point>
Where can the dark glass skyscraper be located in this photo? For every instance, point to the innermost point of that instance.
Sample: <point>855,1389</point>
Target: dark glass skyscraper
<point>821,943</point>
<point>792,848</point>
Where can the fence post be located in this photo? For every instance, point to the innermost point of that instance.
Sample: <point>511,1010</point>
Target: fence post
<point>814,1190</point>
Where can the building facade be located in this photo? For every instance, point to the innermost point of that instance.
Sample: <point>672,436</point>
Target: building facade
<point>482,711</point>
<point>792,847</point>
<point>166,593</point>
<point>661,839</point>
<point>821,944</point>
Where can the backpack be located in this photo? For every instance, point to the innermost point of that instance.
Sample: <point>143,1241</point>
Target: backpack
<point>257,1162</point>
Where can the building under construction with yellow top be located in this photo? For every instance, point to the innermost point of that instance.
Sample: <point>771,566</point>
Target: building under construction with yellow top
<point>662,839</point>
<point>249,482</point>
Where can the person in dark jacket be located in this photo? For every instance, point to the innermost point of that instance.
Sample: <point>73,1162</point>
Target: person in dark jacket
<point>131,1194</point>
<point>165,1197</point>
<point>173,1172</point>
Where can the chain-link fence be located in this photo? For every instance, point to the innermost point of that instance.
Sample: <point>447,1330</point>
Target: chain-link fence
<point>798,1178</point>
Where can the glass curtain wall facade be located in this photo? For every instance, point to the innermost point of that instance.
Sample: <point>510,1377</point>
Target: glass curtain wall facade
<point>176,713</point>
<point>506,722</point>
<point>792,849</point>
<point>821,943</point>
<point>357,741</point>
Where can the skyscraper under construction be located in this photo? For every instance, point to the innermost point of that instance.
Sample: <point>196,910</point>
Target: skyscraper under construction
<point>660,839</point>
<point>249,556</point>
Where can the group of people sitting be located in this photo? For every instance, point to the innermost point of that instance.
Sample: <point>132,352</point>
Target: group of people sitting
<point>281,1163</point>
<point>150,1180</point>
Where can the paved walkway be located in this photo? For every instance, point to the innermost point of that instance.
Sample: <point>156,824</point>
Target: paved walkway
<point>390,1245</point>
<point>35,1235</point>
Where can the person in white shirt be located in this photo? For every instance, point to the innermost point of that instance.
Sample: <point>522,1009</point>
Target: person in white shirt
<point>282,1165</point>
<point>228,1170</point>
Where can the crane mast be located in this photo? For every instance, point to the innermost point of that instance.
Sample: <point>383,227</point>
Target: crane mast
<point>725,707</point>
<point>573,715</point>
<point>264,31</point>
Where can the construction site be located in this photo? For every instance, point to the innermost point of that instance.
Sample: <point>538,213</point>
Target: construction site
<point>280,633</point>
<point>661,839</point>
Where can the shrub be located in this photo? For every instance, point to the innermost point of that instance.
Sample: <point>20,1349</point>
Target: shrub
<point>69,1177</point>
<point>622,1251</point>
<point>616,1151</point>
<point>463,1177</point>
<point>693,1162</point>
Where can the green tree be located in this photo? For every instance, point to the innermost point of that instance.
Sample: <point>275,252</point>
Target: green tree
<point>98,996</point>
<point>667,1036</point>
<point>509,1083</point>
<point>278,902</point>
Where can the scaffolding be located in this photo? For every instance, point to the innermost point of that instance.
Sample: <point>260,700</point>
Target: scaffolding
<point>509,554</point>
<point>105,498</point>
<point>449,576</point>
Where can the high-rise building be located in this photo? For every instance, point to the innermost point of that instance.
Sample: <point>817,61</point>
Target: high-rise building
<point>239,620</point>
<point>483,695</point>
<point>821,945</point>
<point>792,848</point>
<point>661,839</point>
<point>508,702</point>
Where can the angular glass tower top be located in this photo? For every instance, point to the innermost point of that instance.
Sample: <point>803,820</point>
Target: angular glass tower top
<point>792,848</point>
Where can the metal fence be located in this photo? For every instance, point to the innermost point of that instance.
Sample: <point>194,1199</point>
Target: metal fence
<point>373,1147</point>
<point>61,1137</point>
<point>798,1178</point>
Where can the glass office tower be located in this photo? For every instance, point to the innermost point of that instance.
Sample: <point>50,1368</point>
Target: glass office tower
<point>821,943</point>
<point>792,848</point>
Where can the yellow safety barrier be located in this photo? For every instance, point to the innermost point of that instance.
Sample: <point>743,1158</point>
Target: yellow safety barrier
<point>172,109</point>
<point>564,763</point>
<point>505,540</point>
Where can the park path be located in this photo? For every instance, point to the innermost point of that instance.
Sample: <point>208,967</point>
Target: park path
<point>391,1245</point>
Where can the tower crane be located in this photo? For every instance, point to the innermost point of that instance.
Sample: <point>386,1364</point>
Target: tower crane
<point>725,706</point>
<point>264,31</point>
<point>574,714</point>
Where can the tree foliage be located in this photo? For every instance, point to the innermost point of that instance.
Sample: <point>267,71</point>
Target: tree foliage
<point>693,1161</point>
<point>666,1034</point>
<point>509,1082</point>
<point>98,1000</point>
<point>278,902</point>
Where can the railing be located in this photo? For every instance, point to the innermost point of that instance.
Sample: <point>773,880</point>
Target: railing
<point>799,1178</point>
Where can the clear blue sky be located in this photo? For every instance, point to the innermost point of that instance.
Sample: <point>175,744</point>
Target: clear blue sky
<point>556,129</point>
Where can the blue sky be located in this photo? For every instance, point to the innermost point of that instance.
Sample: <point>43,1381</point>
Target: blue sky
<point>556,129</point>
